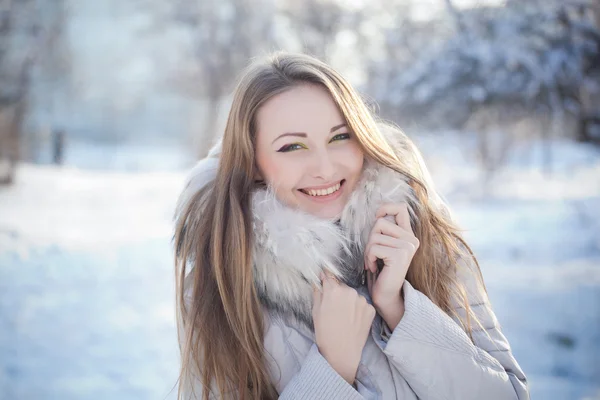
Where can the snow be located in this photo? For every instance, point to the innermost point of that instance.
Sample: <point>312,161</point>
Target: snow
<point>86,278</point>
<point>86,283</point>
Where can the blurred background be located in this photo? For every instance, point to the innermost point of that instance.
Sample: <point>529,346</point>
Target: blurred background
<point>105,105</point>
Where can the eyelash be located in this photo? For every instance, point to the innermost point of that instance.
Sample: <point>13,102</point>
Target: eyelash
<point>289,147</point>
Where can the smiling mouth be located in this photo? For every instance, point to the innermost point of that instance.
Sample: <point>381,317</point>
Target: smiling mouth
<point>324,192</point>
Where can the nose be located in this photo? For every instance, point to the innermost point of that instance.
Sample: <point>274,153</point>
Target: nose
<point>323,165</point>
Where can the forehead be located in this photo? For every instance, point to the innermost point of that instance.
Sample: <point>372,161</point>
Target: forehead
<point>305,108</point>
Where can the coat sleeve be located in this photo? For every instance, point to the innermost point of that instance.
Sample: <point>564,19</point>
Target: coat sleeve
<point>438,359</point>
<point>315,380</point>
<point>318,380</point>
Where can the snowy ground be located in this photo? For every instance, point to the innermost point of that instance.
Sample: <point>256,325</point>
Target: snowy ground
<point>86,302</point>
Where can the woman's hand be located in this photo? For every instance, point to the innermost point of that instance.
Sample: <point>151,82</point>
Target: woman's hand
<point>395,244</point>
<point>342,320</point>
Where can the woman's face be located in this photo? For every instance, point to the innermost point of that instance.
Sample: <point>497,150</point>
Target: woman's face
<point>305,151</point>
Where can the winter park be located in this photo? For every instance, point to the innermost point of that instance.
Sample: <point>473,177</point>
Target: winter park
<point>106,106</point>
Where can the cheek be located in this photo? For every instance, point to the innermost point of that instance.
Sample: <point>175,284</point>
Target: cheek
<point>280,173</point>
<point>355,160</point>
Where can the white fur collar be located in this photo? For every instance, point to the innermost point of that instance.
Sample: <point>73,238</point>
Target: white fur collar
<point>291,247</point>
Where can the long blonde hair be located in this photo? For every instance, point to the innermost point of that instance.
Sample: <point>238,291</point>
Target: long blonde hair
<point>222,320</point>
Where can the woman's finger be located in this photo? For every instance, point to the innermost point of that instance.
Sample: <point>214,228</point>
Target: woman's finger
<point>386,227</point>
<point>370,281</point>
<point>317,296</point>
<point>384,240</point>
<point>395,242</point>
<point>400,213</point>
<point>387,254</point>
<point>378,251</point>
<point>329,281</point>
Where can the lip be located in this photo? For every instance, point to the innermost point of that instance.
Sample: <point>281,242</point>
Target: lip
<point>327,198</point>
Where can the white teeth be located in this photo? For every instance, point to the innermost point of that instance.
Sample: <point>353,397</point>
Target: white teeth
<point>323,192</point>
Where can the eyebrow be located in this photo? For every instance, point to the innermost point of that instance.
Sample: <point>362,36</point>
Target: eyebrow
<point>302,134</point>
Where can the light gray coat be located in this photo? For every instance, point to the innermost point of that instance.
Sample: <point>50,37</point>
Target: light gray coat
<point>428,355</point>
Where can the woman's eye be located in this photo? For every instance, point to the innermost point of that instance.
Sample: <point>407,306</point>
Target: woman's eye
<point>291,147</point>
<point>340,136</point>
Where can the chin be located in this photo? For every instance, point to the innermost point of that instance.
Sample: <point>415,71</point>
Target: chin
<point>330,213</point>
<point>324,211</point>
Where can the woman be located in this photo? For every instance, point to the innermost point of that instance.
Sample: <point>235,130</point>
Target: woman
<point>315,260</point>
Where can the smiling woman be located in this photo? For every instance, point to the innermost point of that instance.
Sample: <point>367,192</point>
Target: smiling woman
<point>316,162</point>
<point>316,261</point>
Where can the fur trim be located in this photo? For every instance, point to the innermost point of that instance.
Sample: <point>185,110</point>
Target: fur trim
<point>291,247</point>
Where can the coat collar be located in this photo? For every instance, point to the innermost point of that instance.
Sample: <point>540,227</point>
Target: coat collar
<point>291,247</point>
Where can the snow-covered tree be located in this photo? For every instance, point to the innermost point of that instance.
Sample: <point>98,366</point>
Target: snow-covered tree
<point>223,35</point>
<point>526,53</point>
<point>315,24</point>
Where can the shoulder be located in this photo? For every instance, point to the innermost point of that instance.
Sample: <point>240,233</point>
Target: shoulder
<point>470,281</point>
<point>472,292</point>
<point>202,174</point>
